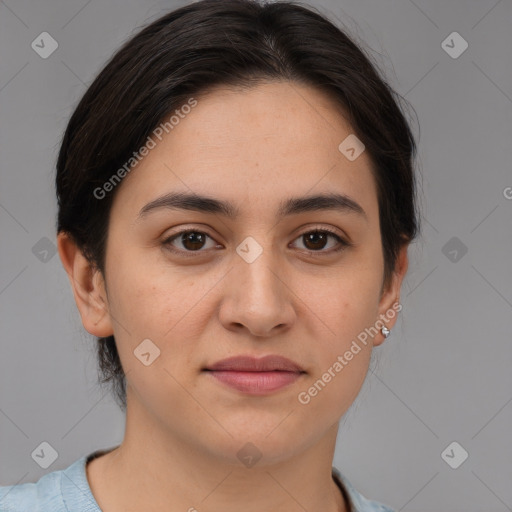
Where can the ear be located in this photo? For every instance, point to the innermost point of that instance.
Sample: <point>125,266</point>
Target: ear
<point>390,297</point>
<point>88,287</point>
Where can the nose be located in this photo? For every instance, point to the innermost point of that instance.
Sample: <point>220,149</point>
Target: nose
<point>258,297</point>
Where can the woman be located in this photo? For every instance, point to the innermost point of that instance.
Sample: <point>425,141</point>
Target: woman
<point>236,198</point>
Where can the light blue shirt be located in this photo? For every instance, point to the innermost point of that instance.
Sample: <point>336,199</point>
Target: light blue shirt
<point>68,490</point>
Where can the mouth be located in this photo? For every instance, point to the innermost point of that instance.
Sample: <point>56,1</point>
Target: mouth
<point>256,376</point>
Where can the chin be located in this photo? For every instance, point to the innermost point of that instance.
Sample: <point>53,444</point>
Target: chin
<point>261,444</point>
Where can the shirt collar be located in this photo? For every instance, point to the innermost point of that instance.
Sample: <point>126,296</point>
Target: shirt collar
<point>77,495</point>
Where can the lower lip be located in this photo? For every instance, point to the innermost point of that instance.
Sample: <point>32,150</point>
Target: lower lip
<point>256,383</point>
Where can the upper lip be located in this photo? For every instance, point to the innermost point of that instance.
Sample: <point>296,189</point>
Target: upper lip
<point>252,364</point>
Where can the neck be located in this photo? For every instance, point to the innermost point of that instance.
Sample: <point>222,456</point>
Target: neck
<point>153,470</point>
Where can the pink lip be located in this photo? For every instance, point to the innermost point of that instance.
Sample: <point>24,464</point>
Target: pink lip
<point>253,364</point>
<point>256,376</point>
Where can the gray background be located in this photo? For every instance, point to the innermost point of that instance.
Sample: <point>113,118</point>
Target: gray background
<point>444,374</point>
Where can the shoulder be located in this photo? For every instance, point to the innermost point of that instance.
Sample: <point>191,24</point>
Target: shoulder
<point>358,502</point>
<point>37,497</point>
<point>62,490</point>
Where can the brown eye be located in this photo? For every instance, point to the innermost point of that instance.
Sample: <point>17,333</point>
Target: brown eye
<point>316,241</point>
<point>192,241</point>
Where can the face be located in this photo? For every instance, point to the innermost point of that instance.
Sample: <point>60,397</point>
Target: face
<point>298,282</point>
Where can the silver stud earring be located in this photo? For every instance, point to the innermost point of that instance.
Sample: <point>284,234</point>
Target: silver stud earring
<point>385,331</point>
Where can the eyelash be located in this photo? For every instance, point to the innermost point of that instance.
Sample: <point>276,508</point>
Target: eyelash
<point>343,244</point>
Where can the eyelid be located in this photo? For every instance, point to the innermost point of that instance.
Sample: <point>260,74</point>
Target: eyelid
<point>343,240</point>
<point>170,238</point>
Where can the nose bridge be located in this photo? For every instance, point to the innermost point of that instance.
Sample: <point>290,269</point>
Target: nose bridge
<point>256,270</point>
<point>259,293</point>
<point>257,297</point>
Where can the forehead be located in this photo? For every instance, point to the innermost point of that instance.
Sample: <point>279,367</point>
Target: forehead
<point>254,146</point>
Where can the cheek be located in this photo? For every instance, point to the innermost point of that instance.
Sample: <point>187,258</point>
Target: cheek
<point>148,295</point>
<point>344,307</point>
<point>161,304</point>
<point>152,307</point>
<point>343,303</point>
<point>329,394</point>
<point>343,353</point>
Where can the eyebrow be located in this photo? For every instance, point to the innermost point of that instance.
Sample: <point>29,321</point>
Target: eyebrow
<point>292,206</point>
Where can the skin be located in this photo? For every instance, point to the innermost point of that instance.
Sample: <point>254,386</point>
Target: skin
<point>255,148</point>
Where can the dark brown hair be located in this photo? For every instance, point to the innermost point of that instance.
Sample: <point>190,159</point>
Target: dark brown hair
<point>234,43</point>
